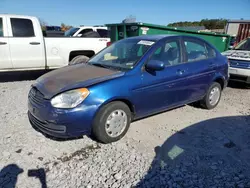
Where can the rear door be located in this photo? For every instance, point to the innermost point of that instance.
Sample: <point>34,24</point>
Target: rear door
<point>5,59</point>
<point>201,60</point>
<point>26,43</point>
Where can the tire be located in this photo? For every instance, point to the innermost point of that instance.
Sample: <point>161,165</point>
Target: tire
<point>248,86</point>
<point>210,104</point>
<point>79,59</point>
<point>99,127</point>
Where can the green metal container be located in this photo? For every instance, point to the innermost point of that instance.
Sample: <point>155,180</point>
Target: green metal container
<point>124,30</point>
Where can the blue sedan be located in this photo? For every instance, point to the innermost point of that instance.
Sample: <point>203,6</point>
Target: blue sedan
<point>131,79</point>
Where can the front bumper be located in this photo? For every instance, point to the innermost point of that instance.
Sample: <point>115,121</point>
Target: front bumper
<point>61,123</point>
<point>240,75</point>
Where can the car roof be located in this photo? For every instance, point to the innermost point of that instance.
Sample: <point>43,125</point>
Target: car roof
<point>160,37</point>
<point>151,37</point>
<point>18,16</point>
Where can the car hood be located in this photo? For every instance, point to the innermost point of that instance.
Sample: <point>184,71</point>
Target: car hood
<point>237,54</point>
<point>72,77</point>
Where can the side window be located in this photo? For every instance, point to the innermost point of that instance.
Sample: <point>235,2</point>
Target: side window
<point>210,52</point>
<point>1,27</point>
<point>169,53</point>
<point>22,27</point>
<point>195,50</point>
<point>103,33</point>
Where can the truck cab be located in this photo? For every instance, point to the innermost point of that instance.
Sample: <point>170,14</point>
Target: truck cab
<point>20,42</point>
<point>24,47</point>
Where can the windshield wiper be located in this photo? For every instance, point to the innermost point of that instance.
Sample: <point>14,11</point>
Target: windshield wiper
<point>100,65</point>
<point>107,67</point>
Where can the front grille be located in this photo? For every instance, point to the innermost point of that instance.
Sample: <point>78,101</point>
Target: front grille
<point>239,64</point>
<point>45,126</point>
<point>35,96</point>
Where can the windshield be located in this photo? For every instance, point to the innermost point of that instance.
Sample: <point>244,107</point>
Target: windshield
<point>123,54</point>
<point>244,45</point>
<point>71,32</point>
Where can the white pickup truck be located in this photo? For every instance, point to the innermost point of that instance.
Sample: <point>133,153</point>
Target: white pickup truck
<point>23,46</point>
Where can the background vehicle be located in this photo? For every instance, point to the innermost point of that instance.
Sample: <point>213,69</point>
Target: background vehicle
<point>239,59</point>
<point>131,79</point>
<point>23,47</point>
<point>86,31</point>
<point>53,31</point>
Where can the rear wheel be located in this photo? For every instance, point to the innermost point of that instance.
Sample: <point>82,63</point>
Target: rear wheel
<point>79,59</point>
<point>212,98</point>
<point>111,122</point>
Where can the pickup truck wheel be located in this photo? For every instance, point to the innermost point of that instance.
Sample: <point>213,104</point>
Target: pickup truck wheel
<point>212,98</point>
<point>112,122</point>
<point>79,59</point>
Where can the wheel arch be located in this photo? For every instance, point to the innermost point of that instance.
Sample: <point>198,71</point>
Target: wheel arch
<point>88,53</point>
<point>120,99</point>
<point>221,80</point>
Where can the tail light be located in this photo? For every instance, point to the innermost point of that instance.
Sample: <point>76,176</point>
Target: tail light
<point>109,43</point>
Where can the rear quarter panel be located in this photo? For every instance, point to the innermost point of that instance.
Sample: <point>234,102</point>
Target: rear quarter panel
<point>222,69</point>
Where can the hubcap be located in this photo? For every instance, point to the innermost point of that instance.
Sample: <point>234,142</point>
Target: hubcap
<point>116,123</point>
<point>214,96</point>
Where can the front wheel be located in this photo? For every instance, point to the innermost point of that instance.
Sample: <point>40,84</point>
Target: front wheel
<point>212,98</point>
<point>111,122</point>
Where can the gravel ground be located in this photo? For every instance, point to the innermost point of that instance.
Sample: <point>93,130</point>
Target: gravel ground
<point>185,147</point>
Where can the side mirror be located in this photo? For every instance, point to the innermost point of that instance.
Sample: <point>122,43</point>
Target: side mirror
<point>155,65</point>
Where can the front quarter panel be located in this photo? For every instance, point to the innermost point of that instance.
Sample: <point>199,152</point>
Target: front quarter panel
<point>112,90</point>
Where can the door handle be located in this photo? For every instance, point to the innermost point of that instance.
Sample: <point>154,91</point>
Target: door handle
<point>180,72</point>
<point>34,43</point>
<point>3,43</point>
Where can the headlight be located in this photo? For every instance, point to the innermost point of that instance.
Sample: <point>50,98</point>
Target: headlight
<point>70,99</point>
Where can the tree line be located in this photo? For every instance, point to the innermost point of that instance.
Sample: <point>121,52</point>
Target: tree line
<point>64,27</point>
<point>207,23</point>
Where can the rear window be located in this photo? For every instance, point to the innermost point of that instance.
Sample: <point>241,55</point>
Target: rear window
<point>1,27</point>
<point>22,27</point>
<point>89,33</point>
<point>71,32</point>
<point>103,33</point>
